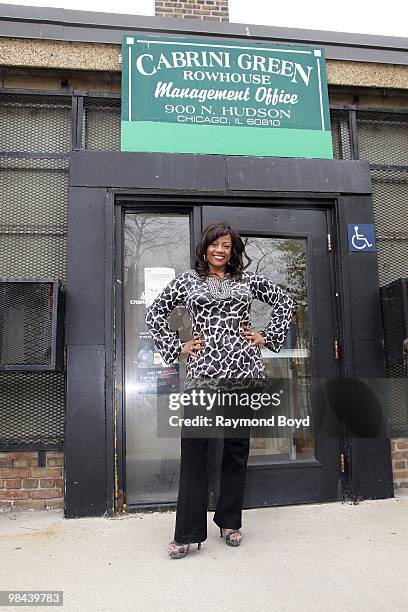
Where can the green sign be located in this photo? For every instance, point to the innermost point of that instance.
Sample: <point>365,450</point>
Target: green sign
<point>183,95</point>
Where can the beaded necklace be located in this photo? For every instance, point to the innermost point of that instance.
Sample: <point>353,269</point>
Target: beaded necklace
<point>221,290</point>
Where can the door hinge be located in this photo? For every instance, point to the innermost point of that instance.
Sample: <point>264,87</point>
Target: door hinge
<point>329,243</point>
<point>336,349</point>
<point>342,465</point>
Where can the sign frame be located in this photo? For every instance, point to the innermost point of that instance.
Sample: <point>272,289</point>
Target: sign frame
<point>172,102</point>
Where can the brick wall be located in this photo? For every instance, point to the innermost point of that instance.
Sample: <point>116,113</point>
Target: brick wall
<point>215,10</point>
<point>399,455</point>
<point>25,486</point>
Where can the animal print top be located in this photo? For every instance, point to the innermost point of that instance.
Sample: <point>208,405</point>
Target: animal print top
<point>220,312</point>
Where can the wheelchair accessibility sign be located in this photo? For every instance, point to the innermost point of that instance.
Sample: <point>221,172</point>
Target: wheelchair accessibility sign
<point>361,237</point>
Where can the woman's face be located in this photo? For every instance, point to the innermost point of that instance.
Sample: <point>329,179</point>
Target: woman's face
<point>219,252</point>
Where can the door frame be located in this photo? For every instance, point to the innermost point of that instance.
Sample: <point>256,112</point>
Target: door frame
<point>265,482</point>
<point>97,181</point>
<point>131,202</point>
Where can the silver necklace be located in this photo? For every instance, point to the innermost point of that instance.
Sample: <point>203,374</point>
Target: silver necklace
<point>220,290</point>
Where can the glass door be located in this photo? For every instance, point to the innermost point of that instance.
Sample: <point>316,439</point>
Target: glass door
<point>157,247</point>
<point>289,246</point>
<point>283,260</point>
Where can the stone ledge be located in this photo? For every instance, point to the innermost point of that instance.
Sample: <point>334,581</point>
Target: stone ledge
<point>31,53</point>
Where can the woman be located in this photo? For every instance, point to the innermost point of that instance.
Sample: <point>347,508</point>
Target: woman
<point>218,295</point>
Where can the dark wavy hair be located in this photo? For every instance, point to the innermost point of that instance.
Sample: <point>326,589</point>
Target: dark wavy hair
<point>211,233</point>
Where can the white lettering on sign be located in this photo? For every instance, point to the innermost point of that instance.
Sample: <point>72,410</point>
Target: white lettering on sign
<point>182,59</point>
<point>168,90</point>
<point>140,65</point>
<point>147,66</point>
<point>273,97</point>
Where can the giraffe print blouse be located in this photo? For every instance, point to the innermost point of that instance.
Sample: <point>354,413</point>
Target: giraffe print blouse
<point>219,311</point>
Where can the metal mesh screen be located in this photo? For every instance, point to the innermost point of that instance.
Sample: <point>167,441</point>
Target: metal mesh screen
<point>33,228</point>
<point>35,123</point>
<point>340,130</point>
<point>33,216</point>
<point>26,318</point>
<point>101,128</point>
<point>383,138</point>
<point>383,141</point>
<point>31,408</point>
<point>390,196</point>
<point>398,406</point>
<point>394,299</point>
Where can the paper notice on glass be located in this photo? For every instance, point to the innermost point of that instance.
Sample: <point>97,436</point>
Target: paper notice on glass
<point>155,281</point>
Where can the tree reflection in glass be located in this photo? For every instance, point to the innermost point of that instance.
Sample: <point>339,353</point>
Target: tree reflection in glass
<point>283,260</point>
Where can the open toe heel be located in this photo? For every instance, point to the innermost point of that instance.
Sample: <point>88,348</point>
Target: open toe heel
<point>232,537</point>
<point>178,551</point>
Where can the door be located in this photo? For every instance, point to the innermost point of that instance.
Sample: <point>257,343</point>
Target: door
<point>157,246</point>
<point>298,464</point>
<point>289,245</point>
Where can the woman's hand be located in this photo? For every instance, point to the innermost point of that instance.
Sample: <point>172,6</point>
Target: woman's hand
<point>193,346</point>
<point>252,336</point>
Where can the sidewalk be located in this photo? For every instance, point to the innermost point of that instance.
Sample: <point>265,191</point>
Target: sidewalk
<point>342,557</point>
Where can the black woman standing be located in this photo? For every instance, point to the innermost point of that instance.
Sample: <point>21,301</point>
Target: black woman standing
<point>217,294</point>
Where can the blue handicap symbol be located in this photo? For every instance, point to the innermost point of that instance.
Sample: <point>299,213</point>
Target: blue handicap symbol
<point>361,237</point>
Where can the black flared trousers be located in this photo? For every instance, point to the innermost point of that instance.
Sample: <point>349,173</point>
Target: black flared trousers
<point>191,518</point>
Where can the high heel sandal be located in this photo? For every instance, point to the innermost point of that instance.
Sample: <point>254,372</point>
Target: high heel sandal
<point>181,549</point>
<point>227,533</point>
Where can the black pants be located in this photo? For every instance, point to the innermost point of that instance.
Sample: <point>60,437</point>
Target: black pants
<point>191,518</point>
